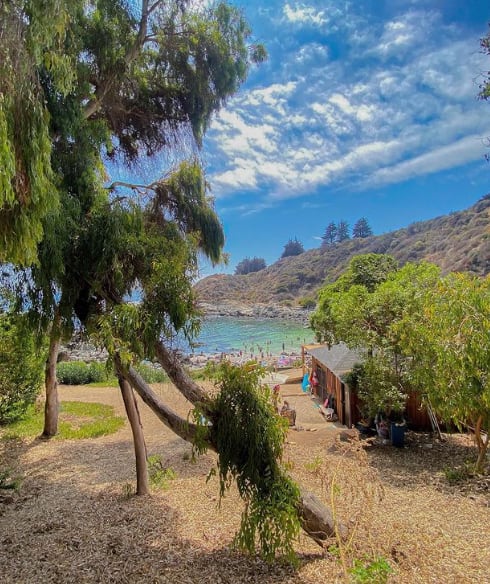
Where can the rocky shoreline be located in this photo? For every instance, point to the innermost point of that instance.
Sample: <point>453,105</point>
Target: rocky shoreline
<point>230,308</point>
<point>80,350</point>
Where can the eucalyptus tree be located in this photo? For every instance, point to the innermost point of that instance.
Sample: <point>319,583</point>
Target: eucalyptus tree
<point>32,36</point>
<point>146,78</point>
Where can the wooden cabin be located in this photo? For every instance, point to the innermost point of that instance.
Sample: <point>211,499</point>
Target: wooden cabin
<point>330,366</point>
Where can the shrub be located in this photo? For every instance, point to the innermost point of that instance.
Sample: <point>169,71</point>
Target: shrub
<point>151,374</point>
<point>293,247</point>
<point>21,368</point>
<point>81,373</point>
<point>248,266</point>
<point>307,302</point>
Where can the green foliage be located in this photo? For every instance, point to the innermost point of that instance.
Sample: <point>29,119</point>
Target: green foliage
<point>379,387</point>
<point>81,373</point>
<point>342,232</point>
<point>249,438</point>
<point>307,302</point>
<point>330,235</point>
<point>247,266</point>
<point>371,571</point>
<point>21,367</point>
<point>361,228</point>
<point>449,346</point>
<point>151,374</point>
<point>455,242</point>
<point>78,420</point>
<point>293,247</point>
<point>28,190</point>
<point>160,476</point>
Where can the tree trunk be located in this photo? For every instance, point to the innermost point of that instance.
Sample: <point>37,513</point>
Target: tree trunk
<point>142,479</point>
<point>51,407</point>
<point>316,519</point>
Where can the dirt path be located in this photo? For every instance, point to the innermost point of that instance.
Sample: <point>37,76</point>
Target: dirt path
<point>73,521</point>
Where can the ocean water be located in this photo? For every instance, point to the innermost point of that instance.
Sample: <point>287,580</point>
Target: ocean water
<point>252,336</point>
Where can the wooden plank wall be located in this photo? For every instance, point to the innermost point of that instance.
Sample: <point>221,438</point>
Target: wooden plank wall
<point>347,403</point>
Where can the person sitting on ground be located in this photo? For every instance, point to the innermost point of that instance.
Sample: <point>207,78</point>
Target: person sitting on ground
<point>288,412</point>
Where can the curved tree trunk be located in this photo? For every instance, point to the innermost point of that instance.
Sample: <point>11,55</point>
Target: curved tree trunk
<point>51,407</point>
<point>142,479</point>
<point>316,519</point>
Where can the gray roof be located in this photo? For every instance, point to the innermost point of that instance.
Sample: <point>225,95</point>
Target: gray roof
<point>339,358</point>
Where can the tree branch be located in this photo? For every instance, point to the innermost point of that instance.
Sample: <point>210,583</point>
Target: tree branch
<point>187,386</point>
<point>186,430</point>
<point>315,518</point>
<point>96,102</point>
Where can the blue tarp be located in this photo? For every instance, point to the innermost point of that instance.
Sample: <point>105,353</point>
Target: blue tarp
<point>305,384</point>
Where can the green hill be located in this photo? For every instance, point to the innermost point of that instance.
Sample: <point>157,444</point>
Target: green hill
<point>456,242</point>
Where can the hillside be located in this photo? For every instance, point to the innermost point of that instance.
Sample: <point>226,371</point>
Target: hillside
<point>456,242</point>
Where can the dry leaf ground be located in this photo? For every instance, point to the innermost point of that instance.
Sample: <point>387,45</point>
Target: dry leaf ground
<point>73,521</point>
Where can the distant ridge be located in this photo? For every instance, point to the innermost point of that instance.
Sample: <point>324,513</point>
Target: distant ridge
<point>458,242</point>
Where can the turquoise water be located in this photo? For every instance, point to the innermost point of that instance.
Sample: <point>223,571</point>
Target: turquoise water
<point>226,334</point>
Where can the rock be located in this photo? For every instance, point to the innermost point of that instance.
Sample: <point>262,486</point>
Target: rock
<point>317,520</point>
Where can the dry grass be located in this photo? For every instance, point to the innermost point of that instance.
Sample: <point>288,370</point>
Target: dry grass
<point>72,520</point>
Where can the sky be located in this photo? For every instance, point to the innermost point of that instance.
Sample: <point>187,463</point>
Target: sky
<point>364,108</point>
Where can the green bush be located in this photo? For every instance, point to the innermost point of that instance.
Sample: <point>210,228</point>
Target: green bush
<point>21,368</point>
<point>81,373</point>
<point>150,374</point>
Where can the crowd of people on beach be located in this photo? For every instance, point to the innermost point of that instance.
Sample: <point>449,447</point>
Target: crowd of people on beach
<point>268,360</point>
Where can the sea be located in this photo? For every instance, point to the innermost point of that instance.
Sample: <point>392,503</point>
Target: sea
<point>252,336</point>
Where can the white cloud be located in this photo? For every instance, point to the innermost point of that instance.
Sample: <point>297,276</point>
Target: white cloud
<point>353,122</point>
<point>303,14</point>
<point>457,154</point>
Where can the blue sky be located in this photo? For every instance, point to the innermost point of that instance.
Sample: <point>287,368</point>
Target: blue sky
<point>364,108</point>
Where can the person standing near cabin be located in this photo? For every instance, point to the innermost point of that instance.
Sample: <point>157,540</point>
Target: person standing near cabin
<point>314,382</point>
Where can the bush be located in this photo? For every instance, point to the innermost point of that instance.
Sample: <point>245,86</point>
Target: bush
<point>150,374</point>
<point>81,373</point>
<point>21,368</point>
<point>248,266</point>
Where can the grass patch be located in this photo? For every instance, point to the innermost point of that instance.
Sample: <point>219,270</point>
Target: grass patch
<point>77,420</point>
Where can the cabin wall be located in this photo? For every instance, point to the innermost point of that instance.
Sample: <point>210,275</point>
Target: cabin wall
<point>347,404</point>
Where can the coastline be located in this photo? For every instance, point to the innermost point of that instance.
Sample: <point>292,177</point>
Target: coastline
<point>232,308</point>
<point>80,350</point>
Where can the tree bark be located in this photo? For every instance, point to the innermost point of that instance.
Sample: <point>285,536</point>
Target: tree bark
<point>51,407</point>
<point>186,430</point>
<point>315,518</point>
<point>142,478</point>
<point>187,386</point>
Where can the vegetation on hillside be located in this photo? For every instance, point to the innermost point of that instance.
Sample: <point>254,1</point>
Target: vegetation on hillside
<point>249,265</point>
<point>456,242</point>
<point>293,247</point>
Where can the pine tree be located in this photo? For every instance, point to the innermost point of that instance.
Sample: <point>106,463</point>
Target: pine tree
<point>330,234</point>
<point>342,231</point>
<point>362,228</point>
